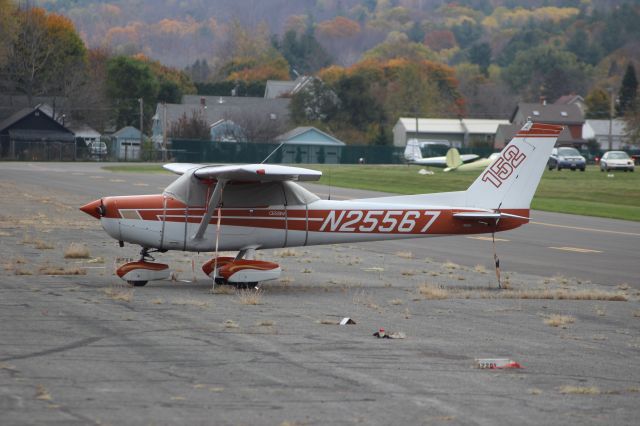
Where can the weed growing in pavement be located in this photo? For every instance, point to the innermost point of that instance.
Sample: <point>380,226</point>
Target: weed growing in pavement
<point>250,297</point>
<point>76,251</point>
<point>556,320</point>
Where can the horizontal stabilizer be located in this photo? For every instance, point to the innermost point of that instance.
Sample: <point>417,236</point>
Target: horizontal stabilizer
<point>487,215</point>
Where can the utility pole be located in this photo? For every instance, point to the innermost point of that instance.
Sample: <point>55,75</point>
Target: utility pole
<point>610,118</point>
<point>164,132</point>
<point>141,101</point>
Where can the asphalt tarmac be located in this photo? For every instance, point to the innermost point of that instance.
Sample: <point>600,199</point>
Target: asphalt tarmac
<point>86,349</point>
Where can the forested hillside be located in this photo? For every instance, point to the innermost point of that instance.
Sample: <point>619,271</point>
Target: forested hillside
<point>384,58</point>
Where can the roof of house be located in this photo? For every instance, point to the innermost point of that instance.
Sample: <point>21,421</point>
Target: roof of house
<point>84,131</point>
<point>218,108</point>
<point>549,113</point>
<point>10,104</point>
<point>127,132</point>
<point>22,114</point>
<point>279,88</point>
<point>309,136</point>
<point>506,132</point>
<point>569,99</point>
<point>451,125</point>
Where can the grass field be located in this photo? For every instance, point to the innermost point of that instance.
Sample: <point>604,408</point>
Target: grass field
<point>592,193</point>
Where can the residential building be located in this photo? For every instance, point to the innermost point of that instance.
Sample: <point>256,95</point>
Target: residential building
<point>568,115</point>
<point>125,144</point>
<point>262,119</point>
<point>310,145</point>
<point>32,134</point>
<point>456,132</point>
<point>599,130</point>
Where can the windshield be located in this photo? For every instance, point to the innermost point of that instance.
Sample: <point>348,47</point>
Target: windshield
<point>568,152</point>
<point>618,156</point>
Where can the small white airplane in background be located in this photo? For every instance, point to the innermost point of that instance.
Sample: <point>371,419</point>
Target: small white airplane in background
<point>455,161</point>
<point>259,206</point>
<point>413,155</point>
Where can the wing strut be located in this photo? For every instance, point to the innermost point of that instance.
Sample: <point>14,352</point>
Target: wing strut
<point>214,202</point>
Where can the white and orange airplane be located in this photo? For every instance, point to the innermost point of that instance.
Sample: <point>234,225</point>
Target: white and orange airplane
<point>253,207</point>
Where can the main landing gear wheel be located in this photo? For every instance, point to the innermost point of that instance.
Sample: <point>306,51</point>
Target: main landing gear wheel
<point>138,274</point>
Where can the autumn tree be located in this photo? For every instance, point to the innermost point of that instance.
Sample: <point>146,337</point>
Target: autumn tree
<point>598,104</point>
<point>46,55</point>
<point>7,30</point>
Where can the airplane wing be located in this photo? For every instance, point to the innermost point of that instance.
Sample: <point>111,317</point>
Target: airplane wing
<point>441,161</point>
<point>246,172</point>
<point>180,168</point>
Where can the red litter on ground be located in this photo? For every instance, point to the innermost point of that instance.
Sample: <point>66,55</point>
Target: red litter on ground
<point>496,363</point>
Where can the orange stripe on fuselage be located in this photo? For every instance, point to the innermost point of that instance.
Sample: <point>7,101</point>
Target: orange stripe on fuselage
<point>151,207</point>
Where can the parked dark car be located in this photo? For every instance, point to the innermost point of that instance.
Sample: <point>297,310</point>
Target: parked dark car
<point>566,158</point>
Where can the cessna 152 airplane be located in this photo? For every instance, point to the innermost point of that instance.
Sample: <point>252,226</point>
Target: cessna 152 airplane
<point>259,206</point>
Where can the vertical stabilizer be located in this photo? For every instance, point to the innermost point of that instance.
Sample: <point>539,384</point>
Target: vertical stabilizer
<point>413,151</point>
<point>511,180</point>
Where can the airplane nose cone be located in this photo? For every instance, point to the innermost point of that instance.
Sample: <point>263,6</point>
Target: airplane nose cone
<point>92,209</point>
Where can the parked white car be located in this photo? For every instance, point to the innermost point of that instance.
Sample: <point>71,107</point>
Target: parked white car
<point>616,160</point>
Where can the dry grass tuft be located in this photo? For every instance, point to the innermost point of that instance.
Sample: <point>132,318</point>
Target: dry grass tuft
<point>480,269</point>
<point>405,254</point>
<point>59,270</point>
<point>190,302</point>
<point>266,323</point>
<point>450,265</point>
<point>250,297</point>
<point>157,301</point>
<point>556,320</point>
<point>20,271</point>
<point>328,322</point>
<point>624,287</point>
<point>119,293</point>
<point>579,390</point>
<point>223,289</point>
<point>42,393</point>
<point>396,302</point>
<point>636,313</point>
<point>76,251</point>
<point>535,391</point>
<point>432,292</point>
<point>286,253</point>
<point>42,245</point>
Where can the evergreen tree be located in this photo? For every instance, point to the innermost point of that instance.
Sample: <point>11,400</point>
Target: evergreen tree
<point>628,91</point>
